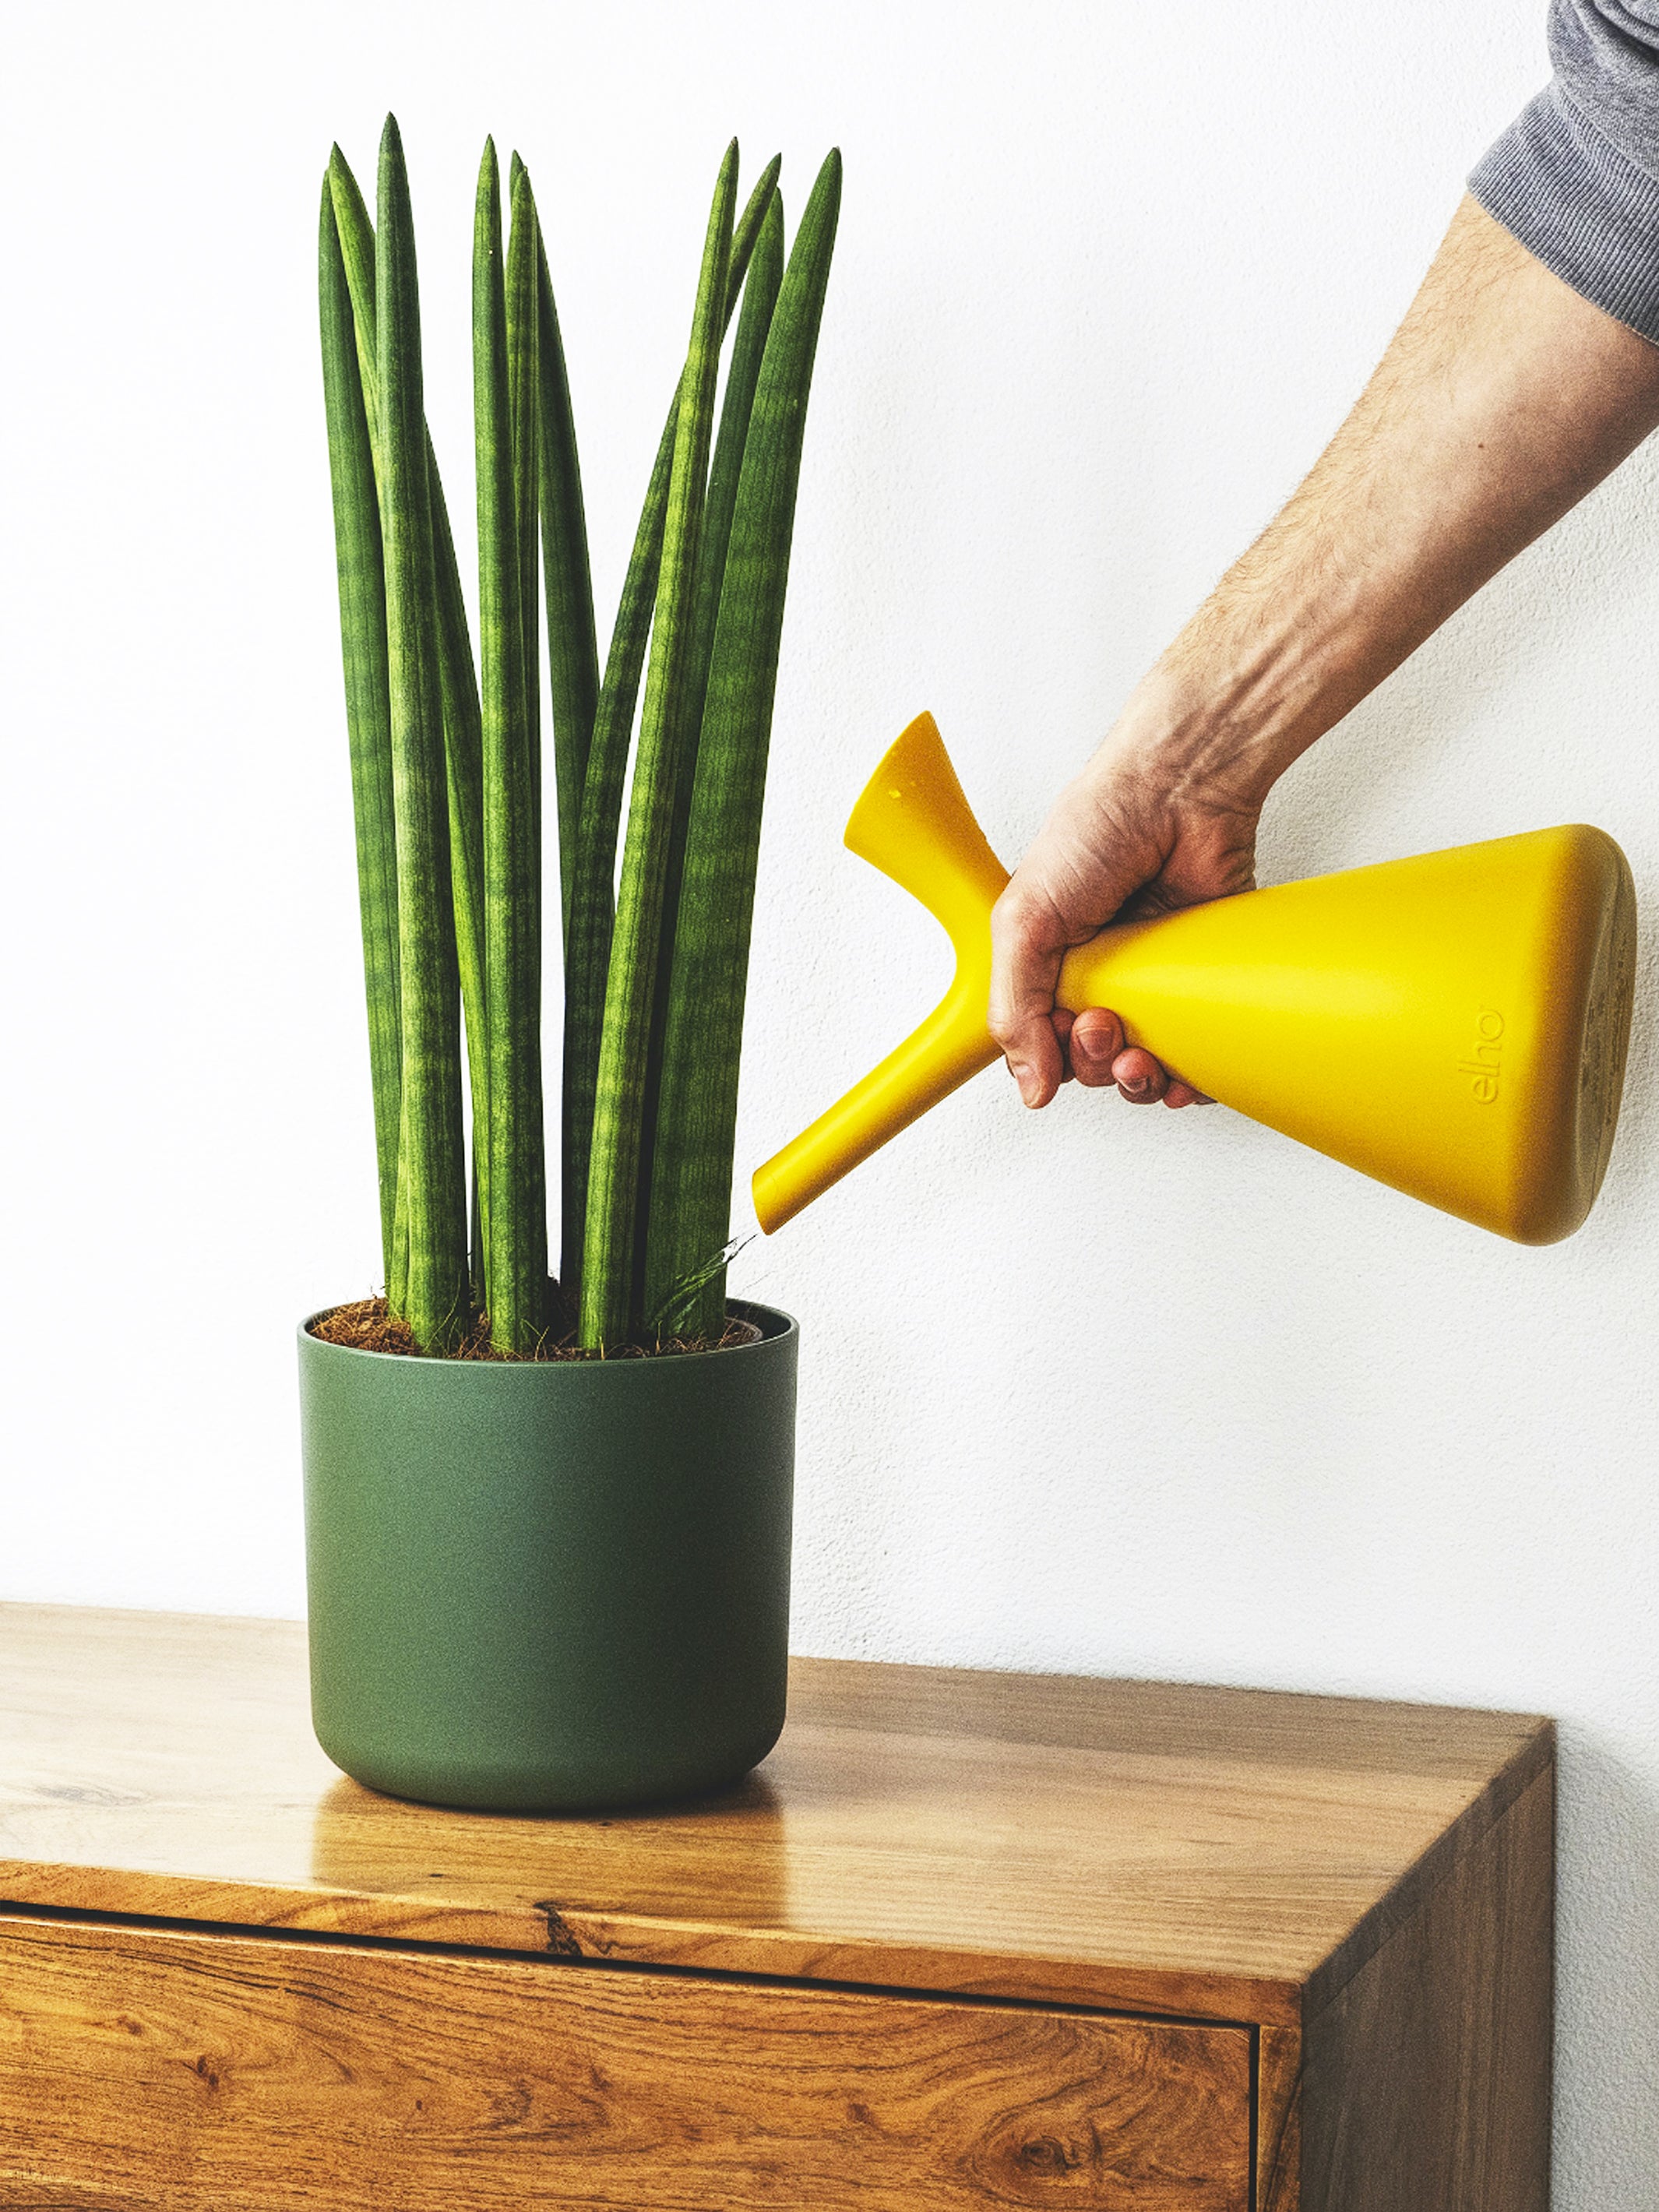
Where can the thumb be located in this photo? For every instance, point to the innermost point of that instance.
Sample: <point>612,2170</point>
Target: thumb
<point>1027,948</point>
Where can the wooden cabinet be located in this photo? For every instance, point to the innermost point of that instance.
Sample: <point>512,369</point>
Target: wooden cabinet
<point>966,1941</point>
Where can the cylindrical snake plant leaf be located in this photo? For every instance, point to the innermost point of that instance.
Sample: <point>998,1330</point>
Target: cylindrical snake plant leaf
<point>525,261</point>
<point>765,272</point>
<point>572,652</point>
<point>523,347</point>
<point>759,297</point>
<point>368,715</point>
<point>432,1169</point>
<point>461,713</point>
<point>609,1309</point>
<point>697,1115</point>
<point>745,236</point>
<point>516,1230</point>
<point>587,952</point>
<point>464,764</point>
<point>591,908</point>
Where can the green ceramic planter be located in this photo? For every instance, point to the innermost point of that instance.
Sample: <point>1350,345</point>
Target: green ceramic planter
<point>554,1586</point>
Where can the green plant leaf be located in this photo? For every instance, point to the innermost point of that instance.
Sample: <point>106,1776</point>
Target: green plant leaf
<point>463,765</point>
<point>572,655</point>
<point>671,1315</point>
<point>524,255</point>
<point>745,235</point>
<point>504,388</point>
<point>432,1171</point>
<point>759,298</point>
<point>359,559</point>
<point>587,954</point>
<point>588,950</point>
<point>691,1182</point>
<point>463,732</point>
<point>609,1288</point>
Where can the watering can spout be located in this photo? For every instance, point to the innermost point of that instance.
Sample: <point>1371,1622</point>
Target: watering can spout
<point>913,823</point>
<point>1454,1024</point>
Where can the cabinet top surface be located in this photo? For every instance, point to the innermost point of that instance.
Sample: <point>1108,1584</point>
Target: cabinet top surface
<point>1146,1846</point>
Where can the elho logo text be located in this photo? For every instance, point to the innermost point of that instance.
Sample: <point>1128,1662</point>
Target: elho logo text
<point>1485,1067</point>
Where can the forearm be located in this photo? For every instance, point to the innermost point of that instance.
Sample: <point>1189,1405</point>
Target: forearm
<point>1518,379</point>
<point>1503,397</point>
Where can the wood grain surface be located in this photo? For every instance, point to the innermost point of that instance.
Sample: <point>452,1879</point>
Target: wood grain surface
<point>162,2072</point>
<point>1279,2121</point>
<point>1145,1847</point>
<point>1426,2078</point>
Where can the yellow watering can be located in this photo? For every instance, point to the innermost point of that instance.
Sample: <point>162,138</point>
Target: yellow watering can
<point>1454,1025</point>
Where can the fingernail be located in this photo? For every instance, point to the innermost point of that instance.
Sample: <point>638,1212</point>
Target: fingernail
<point>1088,1047</point>
<point>1028,1087</point>
<point>1136,1087</point>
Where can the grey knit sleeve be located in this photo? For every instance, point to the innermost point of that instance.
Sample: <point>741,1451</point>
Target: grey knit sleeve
<point>1576,176</point>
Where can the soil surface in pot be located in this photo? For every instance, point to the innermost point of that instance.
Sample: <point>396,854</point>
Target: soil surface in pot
<point>365,1325</point>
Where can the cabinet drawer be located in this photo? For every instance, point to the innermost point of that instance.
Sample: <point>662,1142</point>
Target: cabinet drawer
<point>176,2071</point>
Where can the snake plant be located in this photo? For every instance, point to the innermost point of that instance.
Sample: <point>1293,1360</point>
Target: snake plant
<point>447,781</point>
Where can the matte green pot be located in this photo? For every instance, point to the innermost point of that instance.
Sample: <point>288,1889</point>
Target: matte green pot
<point>550,1586</point>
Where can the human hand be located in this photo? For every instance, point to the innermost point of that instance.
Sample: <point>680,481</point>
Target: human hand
<point>1143,829</point>
<point>1503,397</point>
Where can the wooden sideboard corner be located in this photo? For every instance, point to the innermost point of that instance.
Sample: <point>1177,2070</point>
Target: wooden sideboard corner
<point>966,1941</point>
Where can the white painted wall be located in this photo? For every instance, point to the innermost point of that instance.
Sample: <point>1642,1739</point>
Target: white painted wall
<point>1098,1390</point>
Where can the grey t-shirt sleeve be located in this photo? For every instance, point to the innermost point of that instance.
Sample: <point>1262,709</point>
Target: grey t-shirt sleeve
<point>1576,176</point>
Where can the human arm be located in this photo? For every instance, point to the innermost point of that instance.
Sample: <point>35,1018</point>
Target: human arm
<point>1502,398</point>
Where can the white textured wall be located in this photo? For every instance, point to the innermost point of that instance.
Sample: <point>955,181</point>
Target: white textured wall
<point>1102,1390</point>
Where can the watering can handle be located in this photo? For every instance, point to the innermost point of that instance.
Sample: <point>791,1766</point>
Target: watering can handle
<point>1453,1023</point>
<point>914,823</point>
